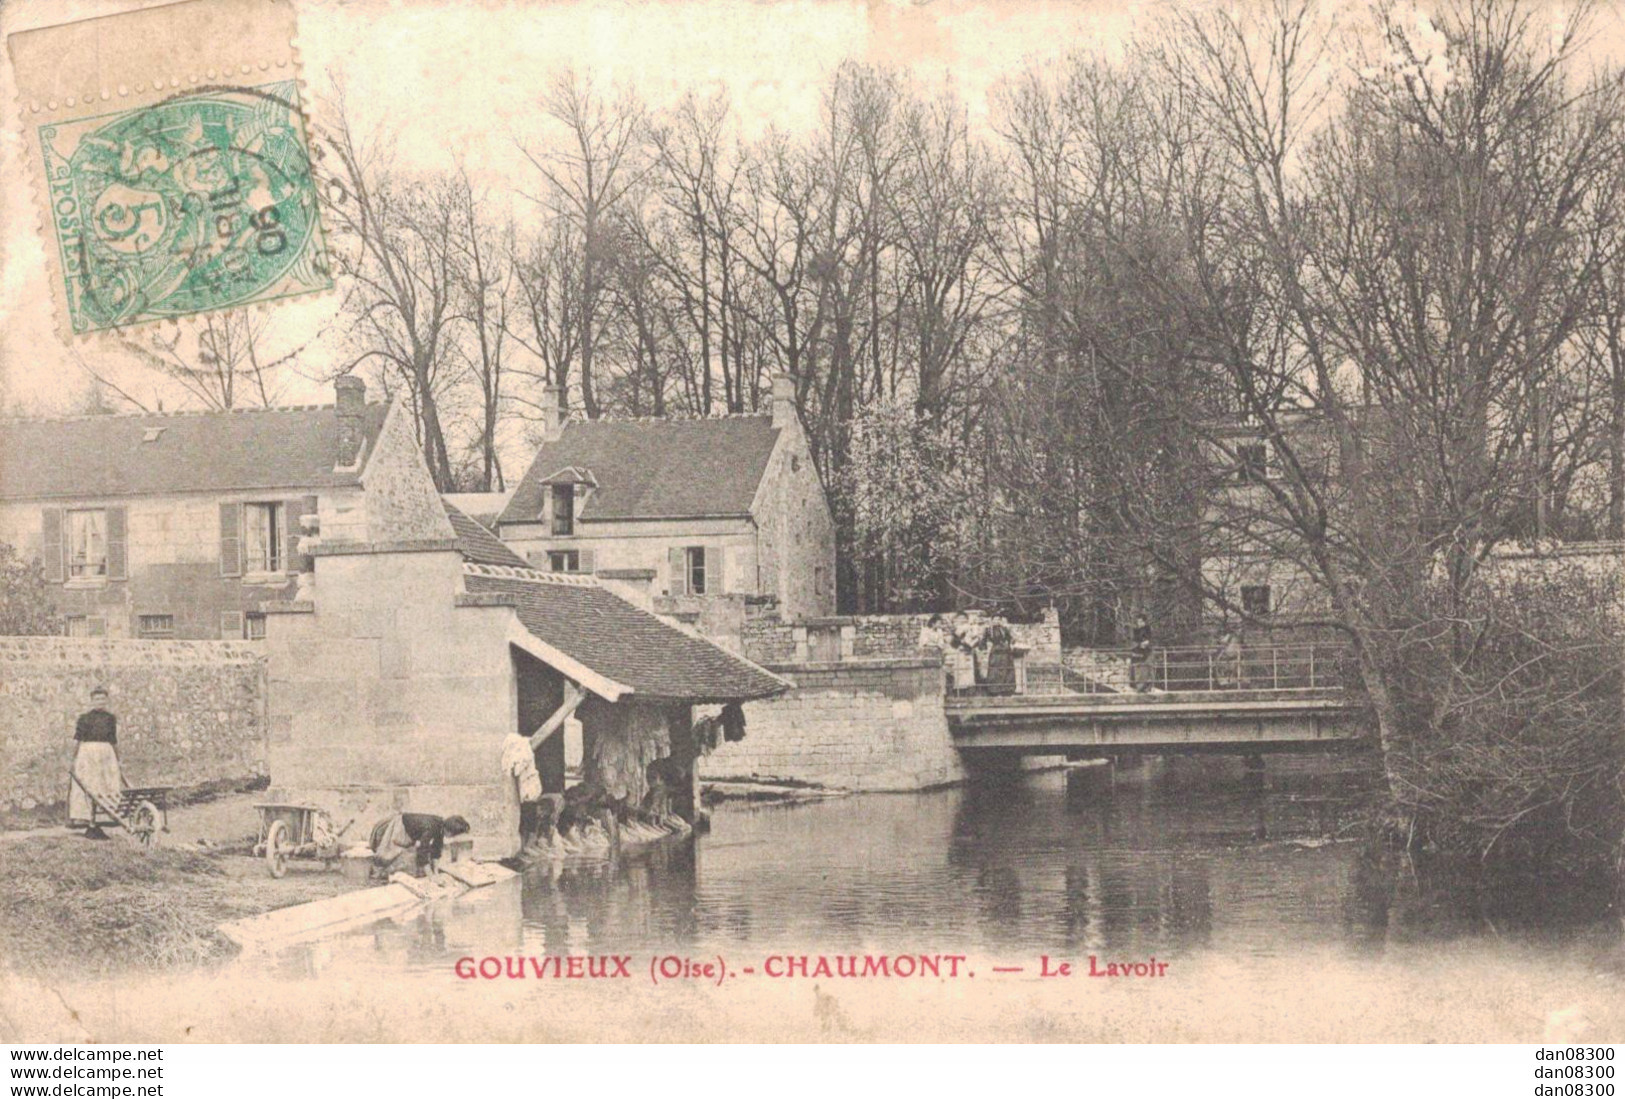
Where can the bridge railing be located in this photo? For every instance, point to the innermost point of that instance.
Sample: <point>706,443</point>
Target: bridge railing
<point>1301,667</point>
<point>1234,668</point>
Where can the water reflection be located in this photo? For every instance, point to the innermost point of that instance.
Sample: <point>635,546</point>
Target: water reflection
<point>1174,858</point>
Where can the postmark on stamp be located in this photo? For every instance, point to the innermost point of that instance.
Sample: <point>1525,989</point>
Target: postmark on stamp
<point>170,157</point>
<point>201,201</point>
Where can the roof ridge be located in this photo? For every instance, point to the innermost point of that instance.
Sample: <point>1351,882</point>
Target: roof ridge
<point>513,572</point>
<point>680,419</point>
<point>173,414</point>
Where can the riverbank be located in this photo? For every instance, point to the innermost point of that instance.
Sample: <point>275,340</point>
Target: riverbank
<point>76,907</point>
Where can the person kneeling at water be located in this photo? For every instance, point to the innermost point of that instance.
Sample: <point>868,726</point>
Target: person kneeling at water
<point>419,835</point>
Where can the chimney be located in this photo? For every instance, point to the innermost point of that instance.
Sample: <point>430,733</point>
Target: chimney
<point>350,405</point>
<point>784,400</point>
<point>552,413</point>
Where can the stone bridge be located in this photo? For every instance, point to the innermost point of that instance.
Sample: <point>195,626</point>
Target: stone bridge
<point>1247,701</point>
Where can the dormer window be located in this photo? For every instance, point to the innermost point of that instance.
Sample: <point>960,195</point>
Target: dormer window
<point>564,509</point>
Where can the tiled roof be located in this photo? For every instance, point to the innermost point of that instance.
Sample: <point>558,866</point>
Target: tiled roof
<point>150,454</point>
<point>482,507</point>
<point>654,469</point>
<point>477,544</point>
<point>599,629</point>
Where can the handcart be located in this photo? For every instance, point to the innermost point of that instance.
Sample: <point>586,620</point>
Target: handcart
<point>297,832</point>
<point>142,811</point>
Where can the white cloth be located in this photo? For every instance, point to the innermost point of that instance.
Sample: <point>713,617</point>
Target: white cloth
<point>96,767</point>
<point>519,767</point>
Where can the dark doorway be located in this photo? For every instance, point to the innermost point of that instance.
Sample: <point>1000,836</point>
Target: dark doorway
<point>541,692</point>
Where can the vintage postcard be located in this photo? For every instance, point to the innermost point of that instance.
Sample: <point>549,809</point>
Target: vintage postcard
<point>903,520</point>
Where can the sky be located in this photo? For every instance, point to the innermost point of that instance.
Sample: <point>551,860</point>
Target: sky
<point>460,78</point>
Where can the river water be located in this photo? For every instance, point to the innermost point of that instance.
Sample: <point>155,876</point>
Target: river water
<point>1248,888</point>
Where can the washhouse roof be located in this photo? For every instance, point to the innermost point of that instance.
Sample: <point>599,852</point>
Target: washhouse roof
<point>628,646</point>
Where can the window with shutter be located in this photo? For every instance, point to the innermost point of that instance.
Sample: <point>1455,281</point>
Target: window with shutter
<point>51,545</point>
<point>292,512</point>
<point>231,539</point>
<point>118,567</point>
<point>676,572</point>
<point>86,625</point>
<point>716,570</point>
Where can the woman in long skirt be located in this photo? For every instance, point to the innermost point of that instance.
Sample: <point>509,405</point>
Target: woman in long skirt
<point>95,767</point>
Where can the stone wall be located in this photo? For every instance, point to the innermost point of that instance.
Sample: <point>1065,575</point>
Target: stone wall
<point>857,725</point>
<point>1108,669</point>
<point>769,640</point>
<point>189,712</point>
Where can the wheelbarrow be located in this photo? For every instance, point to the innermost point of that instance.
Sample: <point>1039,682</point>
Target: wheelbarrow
<point>141,811</point>
<point>297,832</point>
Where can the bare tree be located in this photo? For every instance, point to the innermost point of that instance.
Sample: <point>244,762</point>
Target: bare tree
<point>486,267</point>
<point>404,280</point>
<point>587,178</point>
<point>1427,254</point>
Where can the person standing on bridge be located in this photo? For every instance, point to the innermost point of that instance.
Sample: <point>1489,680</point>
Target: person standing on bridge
<point>1140,655</point>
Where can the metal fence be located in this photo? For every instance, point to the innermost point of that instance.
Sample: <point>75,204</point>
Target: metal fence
<point>1304,667</point>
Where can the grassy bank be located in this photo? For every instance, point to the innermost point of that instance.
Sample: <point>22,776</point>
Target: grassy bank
<point>73,906</point>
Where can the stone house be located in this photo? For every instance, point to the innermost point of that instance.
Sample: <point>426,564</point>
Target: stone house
<point>1251,552</point>
<point>689,509</point>
<point>180,525</point>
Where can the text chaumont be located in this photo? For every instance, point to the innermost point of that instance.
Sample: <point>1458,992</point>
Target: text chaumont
<point>864,965</point>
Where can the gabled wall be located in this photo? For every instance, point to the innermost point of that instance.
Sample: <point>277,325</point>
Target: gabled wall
<point>797,532</point>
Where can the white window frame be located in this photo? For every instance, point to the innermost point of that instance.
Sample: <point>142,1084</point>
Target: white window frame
<point>90,569</point>
<point>571,558</point>
<point>267,555</point>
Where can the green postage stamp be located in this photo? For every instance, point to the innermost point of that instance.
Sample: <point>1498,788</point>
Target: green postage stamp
<point>201,201</point>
